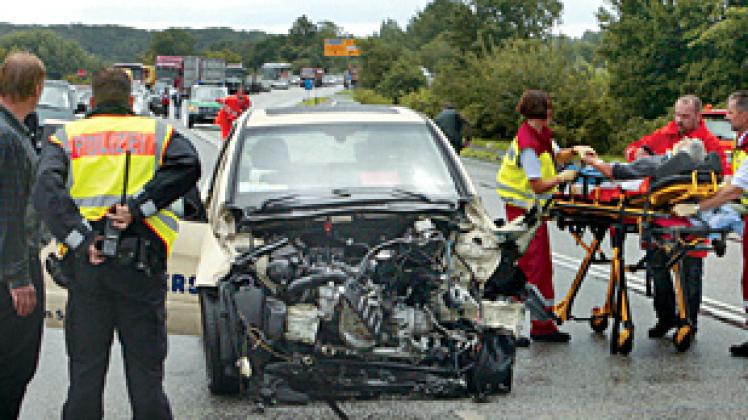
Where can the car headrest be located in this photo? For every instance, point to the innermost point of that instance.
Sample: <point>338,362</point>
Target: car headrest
<point>269,152</point>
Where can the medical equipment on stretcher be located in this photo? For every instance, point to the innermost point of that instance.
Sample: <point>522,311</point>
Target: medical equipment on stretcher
<point>597,205</point>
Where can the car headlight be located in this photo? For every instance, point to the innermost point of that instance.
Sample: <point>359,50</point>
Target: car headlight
<point>192,108</point>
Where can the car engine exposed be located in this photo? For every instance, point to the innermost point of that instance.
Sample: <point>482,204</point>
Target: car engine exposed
<point>366,304</point>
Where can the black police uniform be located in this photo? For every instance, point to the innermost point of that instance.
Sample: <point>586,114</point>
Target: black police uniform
<point>115,294</point>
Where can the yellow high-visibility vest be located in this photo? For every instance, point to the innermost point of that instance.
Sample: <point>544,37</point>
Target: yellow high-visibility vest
<point>738,158</point>
<point>512,184</point>
<point>96,148</point>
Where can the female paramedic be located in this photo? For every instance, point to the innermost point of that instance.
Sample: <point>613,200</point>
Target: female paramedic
<point>527,174</point>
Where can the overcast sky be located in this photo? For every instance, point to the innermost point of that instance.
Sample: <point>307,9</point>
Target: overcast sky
<point>358,17</point>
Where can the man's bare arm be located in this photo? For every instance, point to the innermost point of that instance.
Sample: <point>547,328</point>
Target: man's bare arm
<point>725,194</point>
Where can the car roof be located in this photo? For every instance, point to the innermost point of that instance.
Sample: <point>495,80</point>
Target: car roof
<point>57,82</point>
<point>331,114</point>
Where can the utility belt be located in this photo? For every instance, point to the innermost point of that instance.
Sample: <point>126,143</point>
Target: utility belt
<point>142,254</point>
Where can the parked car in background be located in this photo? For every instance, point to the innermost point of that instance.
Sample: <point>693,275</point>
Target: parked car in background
<point>57,106</point>
<point>279,84</point>
<point>83,95</point>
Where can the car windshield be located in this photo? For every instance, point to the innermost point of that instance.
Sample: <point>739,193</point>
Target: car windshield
<point>324,159</point>
<point>208,94</point>
<point>55,96</point>
<point>720,128</point>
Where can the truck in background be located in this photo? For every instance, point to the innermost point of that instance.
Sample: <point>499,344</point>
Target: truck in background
<point>169,67</point>
<point>189,71</point>
<point>190,75</point>
<point>314,73</point>
<point>212,71</point>
<point>236,76</point>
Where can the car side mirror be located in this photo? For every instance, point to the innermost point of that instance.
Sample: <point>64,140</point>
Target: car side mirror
<point>81,109</point>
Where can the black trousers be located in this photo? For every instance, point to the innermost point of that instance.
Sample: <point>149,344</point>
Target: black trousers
<point>664,294</point>
<point>20,341</point>
<point>103,299</point>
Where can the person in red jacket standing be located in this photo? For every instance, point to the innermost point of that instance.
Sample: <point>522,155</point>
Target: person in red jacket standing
<point>687,123</point>
<point>233,107</point>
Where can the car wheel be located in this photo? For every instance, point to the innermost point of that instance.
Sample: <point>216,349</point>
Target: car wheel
<point>219,382</point>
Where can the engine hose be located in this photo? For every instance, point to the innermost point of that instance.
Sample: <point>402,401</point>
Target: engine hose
<point>301,284</point>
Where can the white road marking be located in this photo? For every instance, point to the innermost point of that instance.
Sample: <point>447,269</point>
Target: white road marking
<point>720,310</point>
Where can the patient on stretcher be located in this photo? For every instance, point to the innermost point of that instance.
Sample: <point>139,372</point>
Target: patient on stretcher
<point>688,154</point>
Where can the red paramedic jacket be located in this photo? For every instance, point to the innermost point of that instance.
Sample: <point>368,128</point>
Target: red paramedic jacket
<point>662,140</point>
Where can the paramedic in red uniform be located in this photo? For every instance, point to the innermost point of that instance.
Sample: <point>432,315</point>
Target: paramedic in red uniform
<point>527,174</point>
<point>233,107</point>
<point>737,188</point>
<point>687,123</point>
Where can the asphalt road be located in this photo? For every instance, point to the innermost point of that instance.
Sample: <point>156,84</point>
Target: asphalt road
<point>575,380</point>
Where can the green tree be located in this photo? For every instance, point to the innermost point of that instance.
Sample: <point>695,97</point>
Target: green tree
<point>378,56</point>
<point>402,78</point>
<point>643,44</point>
<point>302,32</point>
<point>227,55</point>
<point>60,56</point>
<point>719,48</point>
<point>172,41</point>
<point>504,19</point>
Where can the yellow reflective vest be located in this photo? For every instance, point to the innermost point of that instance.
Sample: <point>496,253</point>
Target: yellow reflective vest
<point>512,184</point>
<point>738,157</point>
<point>96,148</point>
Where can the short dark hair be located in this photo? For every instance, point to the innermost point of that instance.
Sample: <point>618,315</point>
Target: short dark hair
<point>20,75</point>
<point>693,100</point>
<point>534,104</point>
<point>111,86</point>
<point>741,99</point>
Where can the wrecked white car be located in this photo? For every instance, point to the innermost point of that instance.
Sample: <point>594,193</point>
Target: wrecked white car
<point>347,254</point>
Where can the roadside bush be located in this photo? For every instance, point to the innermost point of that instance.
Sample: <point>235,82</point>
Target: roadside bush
<point>368,96</point>
<point>424,101</point>
<point>401,79</point>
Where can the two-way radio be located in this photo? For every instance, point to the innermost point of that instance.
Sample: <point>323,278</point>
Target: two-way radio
<point>110,243</point>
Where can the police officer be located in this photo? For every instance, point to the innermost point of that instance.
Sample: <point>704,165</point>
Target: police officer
<point>452,125</point>
<point>79,186</point>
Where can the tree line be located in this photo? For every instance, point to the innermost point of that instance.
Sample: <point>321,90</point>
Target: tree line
<point>66,48</point>
<point>609,87</point>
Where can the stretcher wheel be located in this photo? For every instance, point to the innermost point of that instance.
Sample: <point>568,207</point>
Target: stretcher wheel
<point>599,321</point>
<point>625,341</point>
<point>682,338</point>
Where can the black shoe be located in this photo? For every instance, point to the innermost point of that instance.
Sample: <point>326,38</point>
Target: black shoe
<point>522,341</point>
<point>661,328</point>
<point>554,337</point>
<point>739,350</point>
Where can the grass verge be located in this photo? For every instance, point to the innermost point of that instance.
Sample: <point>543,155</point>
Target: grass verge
<point>314,101</point>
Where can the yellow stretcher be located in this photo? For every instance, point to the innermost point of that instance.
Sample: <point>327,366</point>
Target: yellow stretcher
<point>599,206</point>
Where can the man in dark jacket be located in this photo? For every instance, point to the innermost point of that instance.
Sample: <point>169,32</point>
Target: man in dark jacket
<point>452,125</point>
<point>118,283</point>
<point>21,285</point>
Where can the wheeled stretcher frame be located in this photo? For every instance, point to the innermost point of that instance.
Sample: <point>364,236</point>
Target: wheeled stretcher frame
<point>578,208</point>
